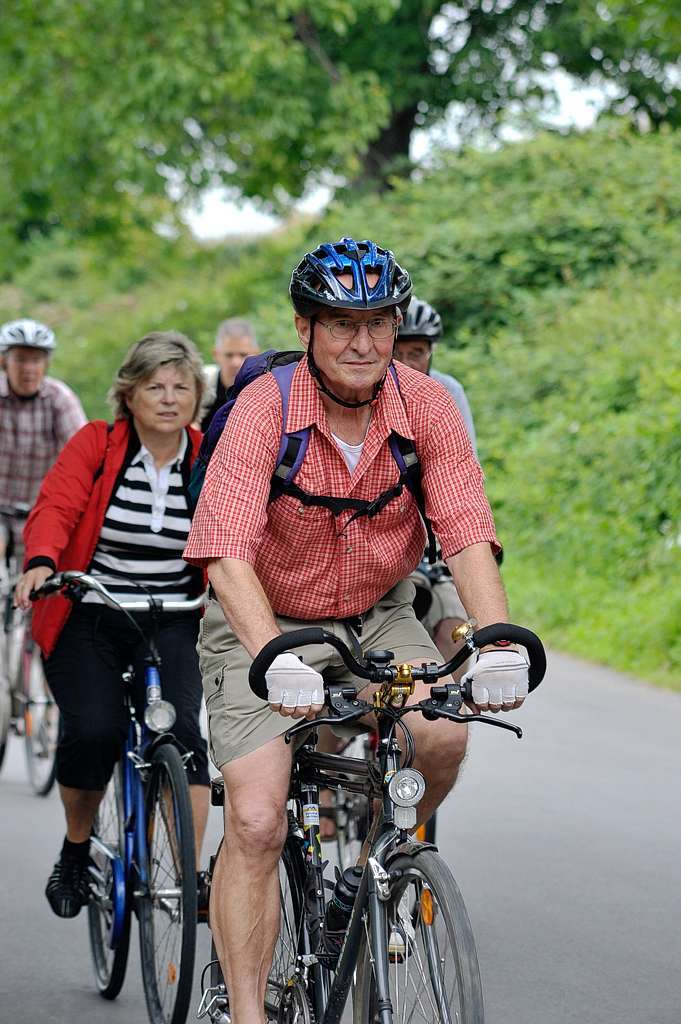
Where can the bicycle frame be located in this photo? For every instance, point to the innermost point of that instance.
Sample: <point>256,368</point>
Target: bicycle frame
<point>135,861</point>
<point>318,770</point>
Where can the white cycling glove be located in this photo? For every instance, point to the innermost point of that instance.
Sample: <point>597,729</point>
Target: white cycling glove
<point>499,680</point>
<point>293,688</point>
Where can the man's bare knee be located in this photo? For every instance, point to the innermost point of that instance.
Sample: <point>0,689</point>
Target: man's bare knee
<point>258,827</point>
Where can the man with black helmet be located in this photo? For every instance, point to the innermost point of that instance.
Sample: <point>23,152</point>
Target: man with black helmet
<point>275,565</point>
<point>437,602</point>
<point>420,330</point>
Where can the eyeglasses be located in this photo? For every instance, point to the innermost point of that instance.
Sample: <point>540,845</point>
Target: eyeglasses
<point>380,328</point>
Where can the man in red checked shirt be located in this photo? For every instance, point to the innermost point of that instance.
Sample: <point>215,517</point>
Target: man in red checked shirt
<point>281,565</point>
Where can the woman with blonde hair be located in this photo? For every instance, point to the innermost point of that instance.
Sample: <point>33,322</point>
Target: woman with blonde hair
<point>115,503</point>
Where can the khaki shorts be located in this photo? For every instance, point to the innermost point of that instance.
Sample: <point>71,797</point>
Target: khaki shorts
<point>445,602</point>
<point>239,722</point>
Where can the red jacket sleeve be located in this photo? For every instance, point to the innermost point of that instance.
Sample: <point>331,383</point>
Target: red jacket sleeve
<point>65,493</point>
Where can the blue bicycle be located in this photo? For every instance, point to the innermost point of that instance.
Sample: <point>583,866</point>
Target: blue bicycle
<point>142,847</point>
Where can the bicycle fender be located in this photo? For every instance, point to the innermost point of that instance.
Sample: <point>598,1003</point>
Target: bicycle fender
<point>408,848</point>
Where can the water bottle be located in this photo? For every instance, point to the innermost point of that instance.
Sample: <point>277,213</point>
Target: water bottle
<point>340,905</point>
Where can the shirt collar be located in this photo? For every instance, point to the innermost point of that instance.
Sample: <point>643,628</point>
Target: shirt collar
<point>305,406</point>
<point>144,455</point>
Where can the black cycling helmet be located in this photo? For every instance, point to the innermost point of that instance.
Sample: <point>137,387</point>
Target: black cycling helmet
<point>314,282</point>
<point>420,321</point>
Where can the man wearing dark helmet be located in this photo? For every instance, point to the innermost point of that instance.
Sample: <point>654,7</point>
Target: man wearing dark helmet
<point>419,332</point>
<point>278,565</point>
<point>437,602</point>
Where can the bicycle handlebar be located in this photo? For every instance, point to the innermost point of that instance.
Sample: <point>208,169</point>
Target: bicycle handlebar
<point>379,674</point>
<point>19,511</point>
<point>73,578</point>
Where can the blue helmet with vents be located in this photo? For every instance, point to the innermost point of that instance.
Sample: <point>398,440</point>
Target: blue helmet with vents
<point>315,281</point>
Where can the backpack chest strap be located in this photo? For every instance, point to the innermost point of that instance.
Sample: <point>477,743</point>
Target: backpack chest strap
<point>360,506</point>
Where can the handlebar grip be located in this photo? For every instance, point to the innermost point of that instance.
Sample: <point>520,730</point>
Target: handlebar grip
<point>51,585</point>
<point>279,645</point>
<point>516,635</point>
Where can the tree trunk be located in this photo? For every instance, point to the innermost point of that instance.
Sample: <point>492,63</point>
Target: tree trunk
<point>389,153</point>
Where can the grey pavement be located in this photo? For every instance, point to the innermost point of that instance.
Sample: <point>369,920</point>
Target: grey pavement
<point>566,845</point>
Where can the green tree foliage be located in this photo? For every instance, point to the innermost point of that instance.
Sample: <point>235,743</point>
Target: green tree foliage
<point>555,264</point>
<point>105,106</point>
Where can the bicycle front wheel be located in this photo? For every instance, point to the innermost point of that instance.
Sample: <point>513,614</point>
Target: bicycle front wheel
<point>432,967</point>
<point>109,906</point>
<point>41,719</point>
<point>167,913</point>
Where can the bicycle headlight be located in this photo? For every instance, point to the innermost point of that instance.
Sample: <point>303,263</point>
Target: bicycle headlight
<point>160,716</point>
<point>406,788</point>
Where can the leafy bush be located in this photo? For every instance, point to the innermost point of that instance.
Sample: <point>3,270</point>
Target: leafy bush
<point>555,264</point>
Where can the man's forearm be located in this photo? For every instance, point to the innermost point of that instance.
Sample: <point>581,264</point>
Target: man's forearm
<point>479,585</point>
<point>244,602</point>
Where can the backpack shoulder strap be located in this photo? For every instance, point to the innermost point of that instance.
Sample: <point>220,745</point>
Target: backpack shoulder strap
<point>406,456</point>
<point>292,447</point>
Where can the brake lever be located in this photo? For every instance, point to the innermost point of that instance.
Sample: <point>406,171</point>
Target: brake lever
<point>441,712</point>
<point>499,722</point>
<point>313,723</point>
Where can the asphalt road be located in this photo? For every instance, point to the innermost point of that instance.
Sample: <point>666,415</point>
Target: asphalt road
<point>567,847</point>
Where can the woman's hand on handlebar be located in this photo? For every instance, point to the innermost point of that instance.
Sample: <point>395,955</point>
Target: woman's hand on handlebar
<point>294,689</point>
<point>31,580</point>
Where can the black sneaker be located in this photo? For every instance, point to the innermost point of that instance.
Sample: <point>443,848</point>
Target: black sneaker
<point>68,887</point>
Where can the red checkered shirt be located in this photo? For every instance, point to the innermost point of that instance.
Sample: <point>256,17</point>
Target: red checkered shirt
<point>32,433</point>
<point>311,564</point>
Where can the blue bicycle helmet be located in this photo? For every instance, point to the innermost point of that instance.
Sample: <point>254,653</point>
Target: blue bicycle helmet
<point>315,283</point>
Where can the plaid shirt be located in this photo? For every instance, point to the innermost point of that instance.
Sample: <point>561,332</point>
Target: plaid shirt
<point>311,564</point>
<point>32,433</point>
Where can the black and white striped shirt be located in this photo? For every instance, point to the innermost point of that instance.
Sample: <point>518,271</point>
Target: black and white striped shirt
<point>145,532</point>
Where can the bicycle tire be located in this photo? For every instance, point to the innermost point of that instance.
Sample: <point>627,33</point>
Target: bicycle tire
<point>291,923</point>
<point>7,672</point>
<point>5,703</point>
<point>109,963</point>
<point>291,903</point>
<point>41,719</point>
<point>171,901</point>
<point>426,920</point>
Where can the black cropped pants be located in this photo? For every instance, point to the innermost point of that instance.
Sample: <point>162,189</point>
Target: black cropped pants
<point>84,673</point>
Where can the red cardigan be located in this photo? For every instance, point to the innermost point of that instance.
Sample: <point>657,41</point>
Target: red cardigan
<point>64,525</point>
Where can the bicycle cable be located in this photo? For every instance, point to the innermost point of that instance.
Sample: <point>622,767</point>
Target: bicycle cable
<point>129,616</point>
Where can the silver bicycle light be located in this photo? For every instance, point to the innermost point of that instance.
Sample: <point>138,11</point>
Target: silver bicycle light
<point>160,716</point>
<point>406,789</point>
